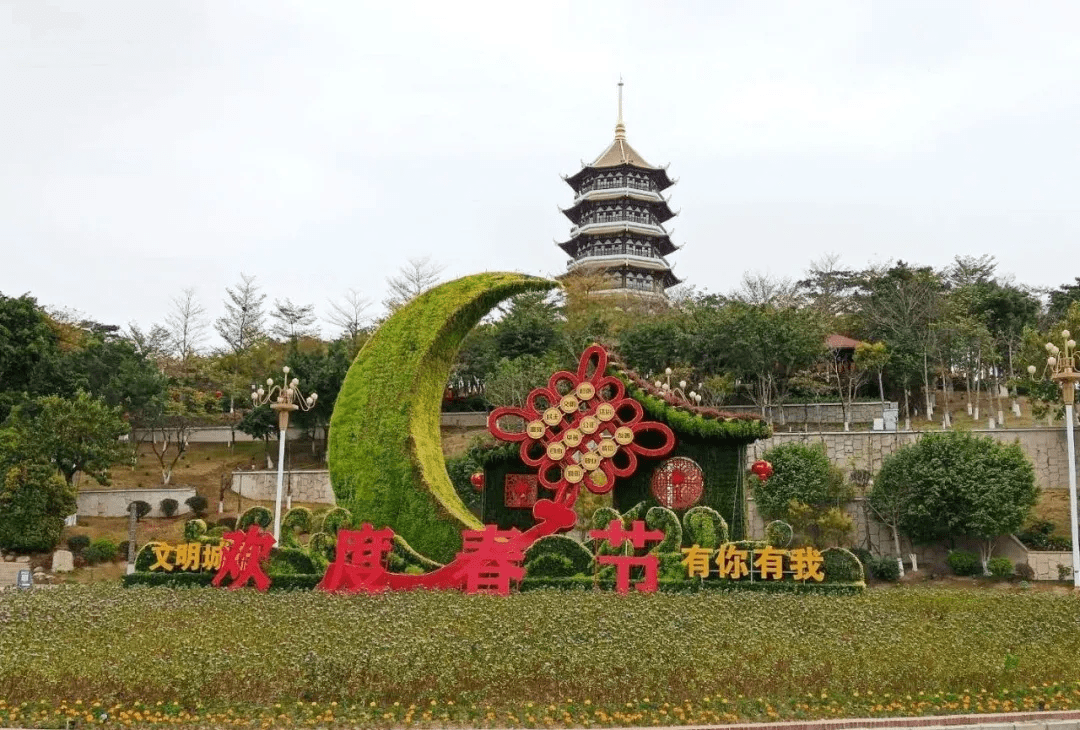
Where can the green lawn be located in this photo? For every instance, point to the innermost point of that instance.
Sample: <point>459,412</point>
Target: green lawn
<point>571,657</point>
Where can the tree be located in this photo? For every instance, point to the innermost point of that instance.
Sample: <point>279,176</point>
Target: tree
<point>348,314</point>
<point>153,344</point>
<point>30,357</point>
<point>955,484</point>
<point>76,435</point>
<point>1062,298</point>
<point>182,410</point>
<point>293,321</point>
<point>805,489</point>
<point>513,380</point>
<point>243,324</point>
<point>186,324</point>
<point>413,279</point>
<point>260,423</point>
<point>34,500</point>
<point>529,327</point>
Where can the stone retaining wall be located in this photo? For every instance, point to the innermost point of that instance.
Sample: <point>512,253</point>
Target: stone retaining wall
<point>114,502</point>
<point>831,413</point>
<point>309,485</point>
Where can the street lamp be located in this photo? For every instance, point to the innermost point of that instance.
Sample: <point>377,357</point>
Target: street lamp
<point>1062,364</point>
<point>284,399</point>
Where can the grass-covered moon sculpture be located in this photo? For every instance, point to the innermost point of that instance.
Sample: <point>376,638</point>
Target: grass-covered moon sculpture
<point>385,450</point>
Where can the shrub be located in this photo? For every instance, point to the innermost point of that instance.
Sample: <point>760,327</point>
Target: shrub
<point>194,529</point>
<point>778,534</point>
<point>142,509</point>
<point>1000,567</point>
<point>101,550</point>
<point>1025,571</point>
<point>229,523</point>
<point>336,519</point>
<point>662,518</point>
<point>122,549</point>
<point>77,543</point>
<point>1064,572</point>
<point>841,566</point>
<point>34,500</point>
<point>884,567</point>
<point>705,527</point>
<point>198,504</point>
<point>289,561</point>
<point>963,562</point>
<point>556,556</point>
<point>802,474</point>
<point>168,506</point>
<point>1039,535</point>
<point>260,516</point>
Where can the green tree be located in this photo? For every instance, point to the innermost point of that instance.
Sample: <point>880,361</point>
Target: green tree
<point>75,435</point>
<point>530,327</point>
<point>955,484</point>
<point>30,357</point>
<point>260,423</point>
<point>34,500</point>
<point>513,380</point>
<point>805,489</point>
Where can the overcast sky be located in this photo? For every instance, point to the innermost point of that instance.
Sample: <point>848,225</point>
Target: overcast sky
<point>146,147</point>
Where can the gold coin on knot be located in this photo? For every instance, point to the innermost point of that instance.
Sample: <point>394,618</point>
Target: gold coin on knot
<point>585,390</point>
<point>568,404</point>
<point>535,429</point>
<point>605,412</point>
<point>589,424</point>
<point>552,417</point>
<point>572,438</point>
<point>608,448</point>
<point>556,451</point>
<point>623,435</point>
<point>591,460</point>
<point>573,473</point>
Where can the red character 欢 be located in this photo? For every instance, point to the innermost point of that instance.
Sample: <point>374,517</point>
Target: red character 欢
<point>242,556</point>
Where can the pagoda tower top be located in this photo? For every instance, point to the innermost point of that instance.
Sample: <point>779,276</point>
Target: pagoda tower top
<point>619,152</point>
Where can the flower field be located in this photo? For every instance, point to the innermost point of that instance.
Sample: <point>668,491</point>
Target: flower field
<point>203,657</point>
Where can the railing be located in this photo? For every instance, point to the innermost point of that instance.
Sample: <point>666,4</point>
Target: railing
<point>616,184</point>
<point>620,223</point>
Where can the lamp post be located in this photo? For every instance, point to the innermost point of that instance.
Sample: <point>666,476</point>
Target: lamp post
<point>284,399</point>
<point>1062,364</point>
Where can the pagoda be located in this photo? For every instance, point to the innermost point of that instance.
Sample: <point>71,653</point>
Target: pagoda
<point>618,214</point>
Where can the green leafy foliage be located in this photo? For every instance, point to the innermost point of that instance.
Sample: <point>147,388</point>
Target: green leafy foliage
<point>77,543</point>
<point>801,474</point>
<point>841,566</point>
<point>168,506</point>
<point>963,562</point>
<point>1000,567</point>
<point>335,519</point>
<point>885,568</point>
<point>1040,535</point>
<point>297,521</point>
<point>34,501</point>
<point>194,530</point>
<point>256,515</point>
<point>704,527</point>
<point>385,455</point>
<point>198,504</point>
<point>956,484</point>
<point>662,518</point>
<point>142,509</point>
<point>778,534</point>
<point>101,550</point>
<point>556,556</point>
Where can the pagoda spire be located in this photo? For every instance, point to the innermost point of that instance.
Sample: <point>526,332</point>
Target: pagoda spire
<point>620,128</point>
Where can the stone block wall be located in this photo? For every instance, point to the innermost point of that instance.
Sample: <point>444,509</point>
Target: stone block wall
<point>309,485</point>
<point>114,502</point>
<point>831,413</point>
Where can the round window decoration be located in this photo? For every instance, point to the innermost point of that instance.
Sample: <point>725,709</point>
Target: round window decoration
<point>678,483</point>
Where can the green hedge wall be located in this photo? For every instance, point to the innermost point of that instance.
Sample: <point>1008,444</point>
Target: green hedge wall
<point>385,455</point>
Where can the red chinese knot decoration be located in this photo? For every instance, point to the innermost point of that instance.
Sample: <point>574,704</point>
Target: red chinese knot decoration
<point>577,425</point>
<point>678,483</point>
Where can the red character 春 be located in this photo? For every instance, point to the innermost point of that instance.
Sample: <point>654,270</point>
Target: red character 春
<point>359,560</point>
<point>638,536</point>
<point>241,558</point>
<point>490,559</point>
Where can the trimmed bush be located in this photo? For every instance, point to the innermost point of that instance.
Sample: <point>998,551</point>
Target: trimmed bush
<point>704,527</point>
<point>77,543</point>
<point>168,506</point>
<point>142,509</point>
<point>257,515</point>
<point>297,521</point>
<point>101,550</point>
<point>964,563</point>
<point>557,556</point>
<point>34,500</point>
<point>336,519</point>
<point>194,529</point>
<point>778,534</point>
<point>662,518</point>
<point>885,568</point>
<point>1000,567</point>
<point>801,474</point>
<point>385,455</point>
<point>198,504</point>
<point>289,561</point>
<point>841,566</point>
<point>1025,571</point>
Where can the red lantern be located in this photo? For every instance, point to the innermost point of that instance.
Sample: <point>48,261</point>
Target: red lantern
<point>762,469</point>
<point>477,479</point>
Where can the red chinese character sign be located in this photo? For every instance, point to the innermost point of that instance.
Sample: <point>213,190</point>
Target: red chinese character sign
<point>242,557</point>
<point>582,428</point>
<point>638,537</point>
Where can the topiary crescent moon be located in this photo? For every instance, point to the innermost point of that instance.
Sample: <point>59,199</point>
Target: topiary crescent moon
<point>385,450</point>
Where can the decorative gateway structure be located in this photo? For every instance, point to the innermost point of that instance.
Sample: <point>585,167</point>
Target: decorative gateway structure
<point>618,214</point>
<point>606,430</point>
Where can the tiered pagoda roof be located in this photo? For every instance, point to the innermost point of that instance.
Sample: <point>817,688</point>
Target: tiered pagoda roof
<point>618,214</point>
